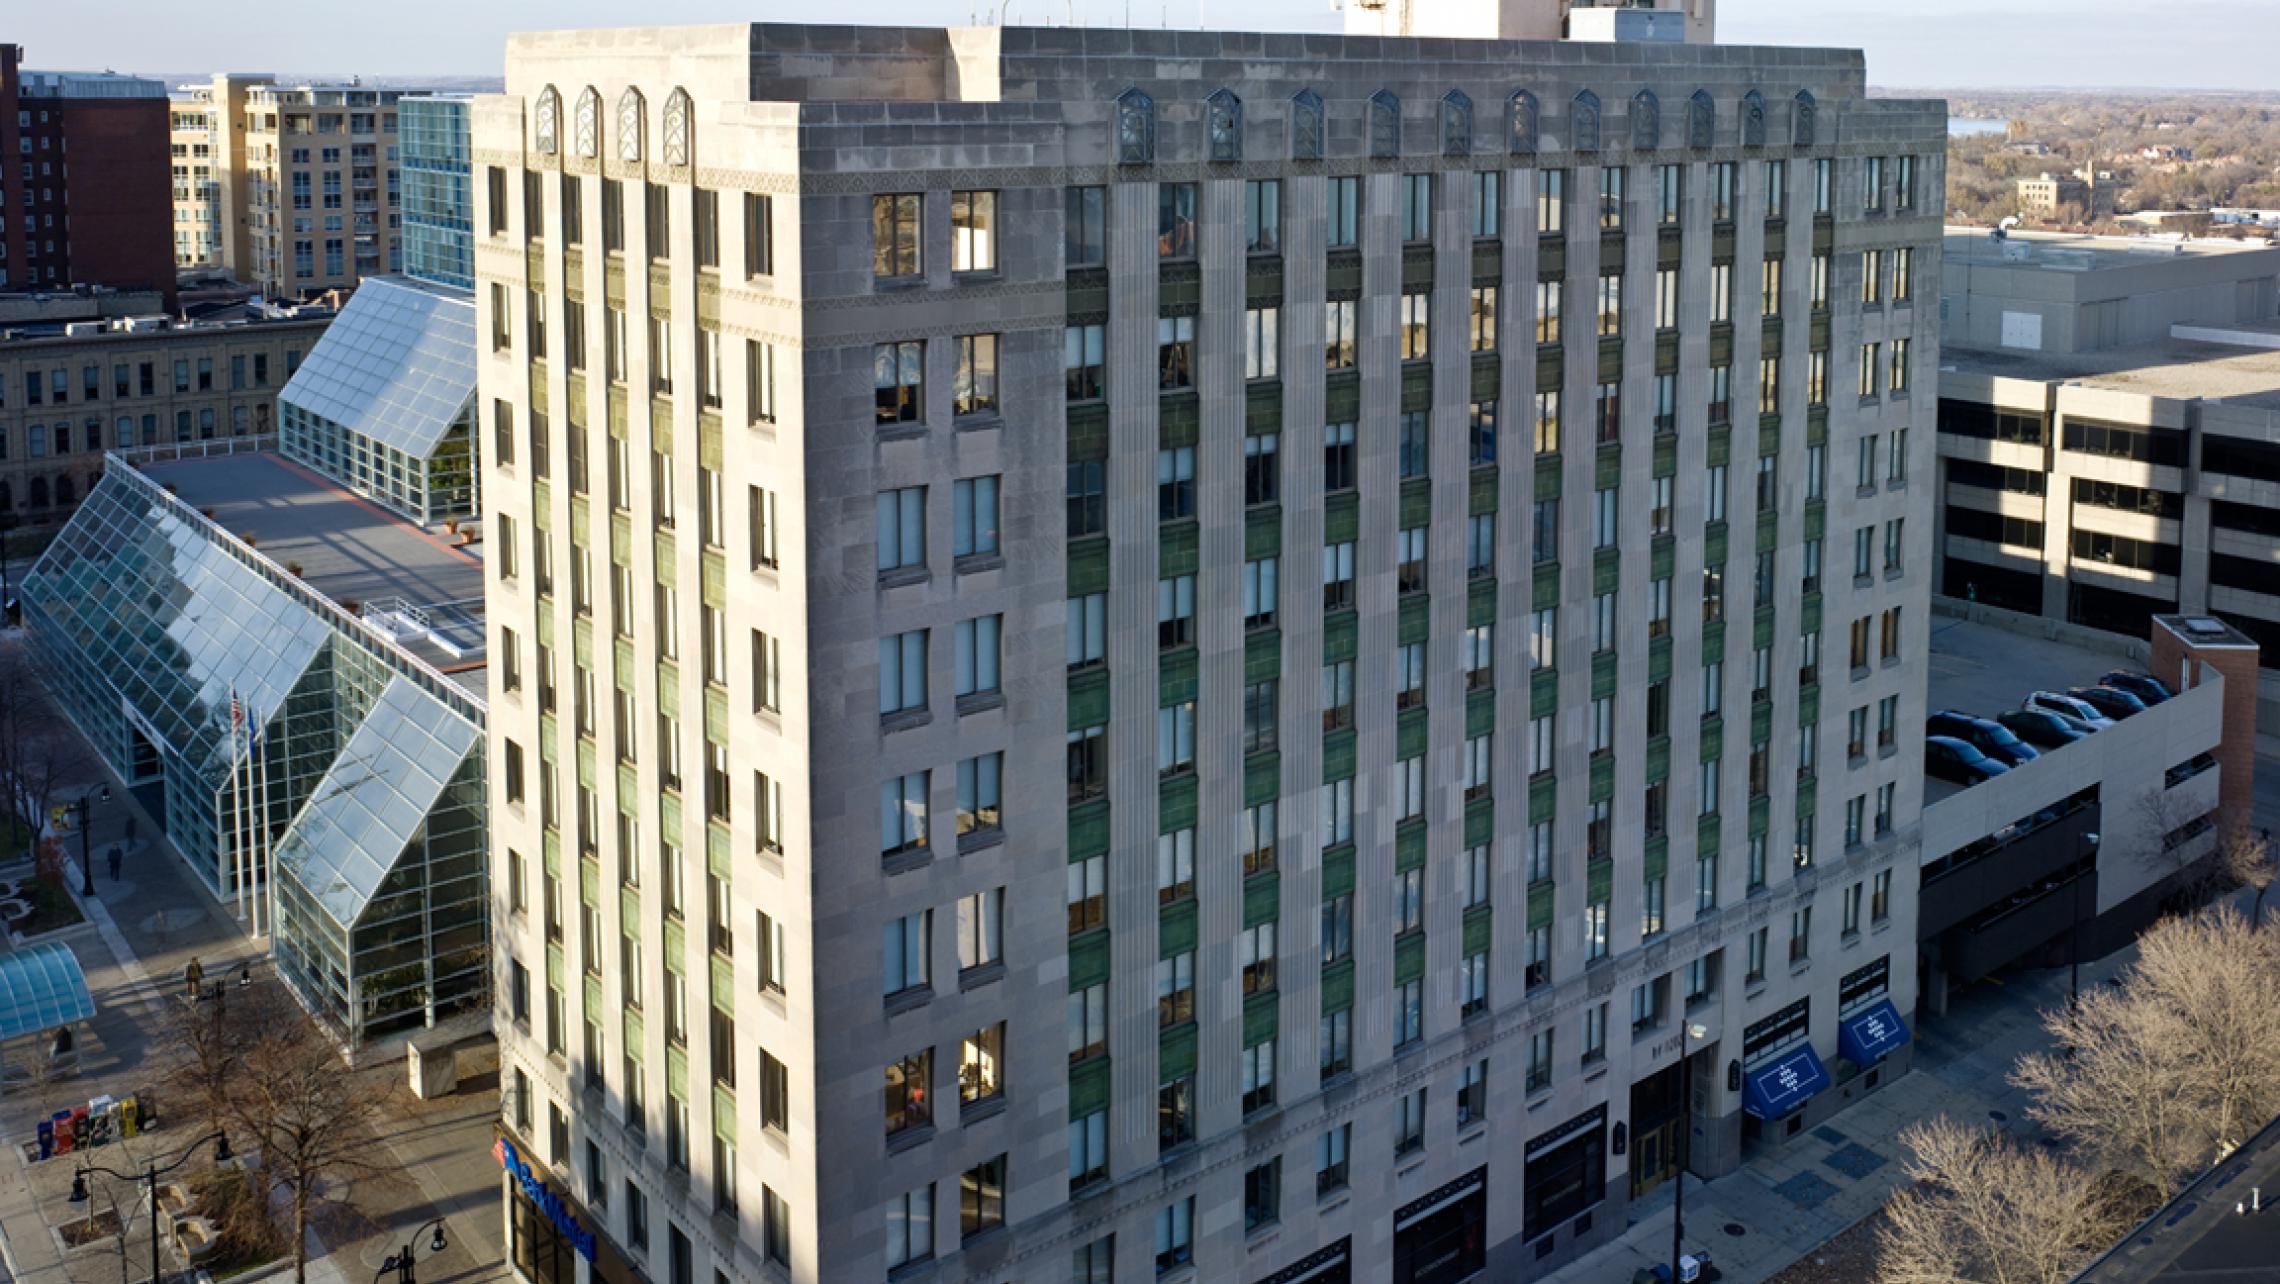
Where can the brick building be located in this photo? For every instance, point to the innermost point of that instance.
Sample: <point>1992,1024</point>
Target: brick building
<point>105,217</point>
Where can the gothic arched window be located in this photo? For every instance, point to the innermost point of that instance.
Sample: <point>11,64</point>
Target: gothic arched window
<point>629,126</point>
<point>677,109</point>
<point>1646,121</point>
<point>1456,123</point>
<point>1583,122</point>
<point>1135,128</point>
<point>1701,120</point>
<point>587,127</point>
<point>1520,123</point>
<point>1385,124</point>
<point>1306,125</point>
<point>548,132</point>
<point>1223,125</point>
<point>1802,120</point>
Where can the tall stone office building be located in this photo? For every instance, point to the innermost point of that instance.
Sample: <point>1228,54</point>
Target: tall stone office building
<point>1180,654</point>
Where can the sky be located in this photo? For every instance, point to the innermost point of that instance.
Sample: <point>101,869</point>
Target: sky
<point>1928,44</point>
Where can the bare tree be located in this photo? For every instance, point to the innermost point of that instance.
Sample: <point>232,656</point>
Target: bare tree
<point>1984,1210</point>
<point>259,1067</point>
<point>2165,836</point>
<point>2177,1065</point>
<point>2245,857</point>
<point>41,755</point>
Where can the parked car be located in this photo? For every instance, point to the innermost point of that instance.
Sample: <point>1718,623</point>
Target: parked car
<point>2115,704</point>
<point>2148,689</point>
<point>1954,760</point>
<point>2039,728</point>
<point>1990,738</point>
<point>2075,712</point>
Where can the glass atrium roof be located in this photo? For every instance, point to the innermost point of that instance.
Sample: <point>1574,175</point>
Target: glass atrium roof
<point>372,802</point>
<point>171,619</point>
<point>41,987</point>
<point>397,365</point>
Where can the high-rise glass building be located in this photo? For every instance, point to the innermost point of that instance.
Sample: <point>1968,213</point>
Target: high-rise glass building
<point>438,195</point>
<point>1424,460</point>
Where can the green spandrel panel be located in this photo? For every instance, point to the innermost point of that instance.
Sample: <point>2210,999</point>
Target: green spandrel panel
<point>1088,432</point>
<point>1089,1088</point>
<point>1176,804</point>
<point>1542,906</point>
<point>1602,783</point>
<point>1599,881</point>
<point>1713,743</point>
<point>1416,618</point>
<point>1658,659</point>
<point>1262,532</point>
<point>1088,961</point>
<point>1655,859</point>
<point>1479,929</point>
<point>1338,756</point>
<point>1409,958</point>
<point>1262,655</point>
<point>1480,603</point>
<point>1088,699</point>
<point>1409,846</point>
<point>1262,898</point>
<point>1338,987</point>
<point>1176,549</point>
<point>1544,586</point>
<point>1088,566</point>
<point>1658,759</point>
<point>1416,502</point>
<point>1338,871</point>
<point>1480,713</point>
<point>1543,798</point>
<point>1262,778</point>
<point>1175,677</point>
<point>1341,517</point>
<point>1088,830</point>
<point>1261,1018</point>
<point>632,1034</point>
<point>1410,733</point>
<point>1176,929</point>
<point>1543,693</point>
<point>1175,1054</point>
<point>1706,833</point>
<point>1480,821</point>
<point>1339,634</point>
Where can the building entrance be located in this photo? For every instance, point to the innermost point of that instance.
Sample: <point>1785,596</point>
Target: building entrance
<point>1657,1117</point>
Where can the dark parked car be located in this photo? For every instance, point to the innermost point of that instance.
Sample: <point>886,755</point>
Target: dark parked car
<point>2148,689</point>
<point>1951,759</point>
<point>1990,738</point>
<point>2043,730</point>
<point>2115,704</point>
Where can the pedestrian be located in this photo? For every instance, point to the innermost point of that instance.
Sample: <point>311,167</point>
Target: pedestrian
<point>113,857</point>
<point>193,976</point>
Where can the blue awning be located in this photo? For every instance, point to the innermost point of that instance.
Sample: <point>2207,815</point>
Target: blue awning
<point>1774,1090</point>
<point>1865,1038</point>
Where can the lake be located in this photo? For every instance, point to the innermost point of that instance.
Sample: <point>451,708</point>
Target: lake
<point>1965,126</point>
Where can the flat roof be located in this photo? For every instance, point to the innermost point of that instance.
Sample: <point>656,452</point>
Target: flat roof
<point>2078,252</point>
<point>1976,669</point>
<point>2207,1230</point>
<point>348,548</point>
<point>2183,369</point>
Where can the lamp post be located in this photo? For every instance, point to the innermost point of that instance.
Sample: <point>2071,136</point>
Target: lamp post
<point>86,855</point>
<point>2074,942</point>
<point>150,1176</point>
<point>1687,1030</point>
<point>401,1262</point>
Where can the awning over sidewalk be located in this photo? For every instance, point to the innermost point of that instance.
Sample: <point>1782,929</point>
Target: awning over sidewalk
<point>1775,1089</point>
<point>40,989</point>
<point>1868,1036</point>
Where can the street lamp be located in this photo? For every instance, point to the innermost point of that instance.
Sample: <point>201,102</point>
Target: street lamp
<point>151,1175</point>
<point>1687,1030</point>
<point>401,1262</point>
<point>86,856</point>
<point>2074,943</point>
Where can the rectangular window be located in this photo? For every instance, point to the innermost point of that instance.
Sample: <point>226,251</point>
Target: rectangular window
<point>1085,227</point>
<point>1175,220</point>
<point>1262,216</point>
<point>1345,211</point>
<point>759,234</point>
<point>1261,342</point>
<point>977,644</point>
<point>973,231</point>
<point>974,389</point>
<point>898,371</point>
<point>1488,203</point>
<point>896,235</point>
<point>1551,202</point>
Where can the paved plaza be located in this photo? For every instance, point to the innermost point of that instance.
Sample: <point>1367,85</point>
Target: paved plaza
<point>143,929</point>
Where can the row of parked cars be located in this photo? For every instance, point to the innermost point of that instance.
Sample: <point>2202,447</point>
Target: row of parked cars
<point>1966,749</point>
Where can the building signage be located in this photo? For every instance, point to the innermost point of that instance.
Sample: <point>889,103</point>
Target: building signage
<point>1867,1037</point>
<point>1779,1088</point>
<point>544,1199</point>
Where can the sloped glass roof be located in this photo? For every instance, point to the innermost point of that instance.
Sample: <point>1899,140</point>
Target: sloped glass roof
<point>41,987</point>
<point>373,801</point>
<point>397,365</point>
<point>170,619</point>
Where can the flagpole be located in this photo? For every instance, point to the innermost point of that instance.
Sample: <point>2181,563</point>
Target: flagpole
<point>268,887</point>
<point>237,798</point>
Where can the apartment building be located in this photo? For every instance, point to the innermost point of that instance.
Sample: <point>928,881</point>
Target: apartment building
<point>2109,431</point>
<point>1424,459</point>
<point>309,196</point>
<point>101,220</point>
<point>197,192</point>
<point>66,398</point>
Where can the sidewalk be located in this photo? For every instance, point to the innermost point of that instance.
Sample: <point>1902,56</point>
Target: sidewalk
<point>144,928</point>
<point>1777,1210</point>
